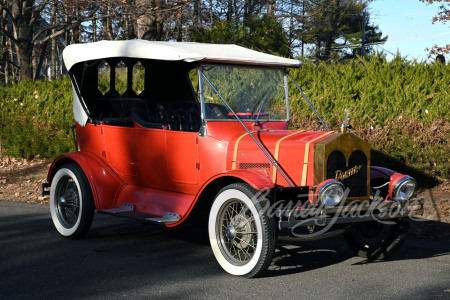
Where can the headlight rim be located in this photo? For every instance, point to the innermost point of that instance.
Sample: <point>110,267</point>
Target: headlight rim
<point>326,186</point>
<point>399,184</point>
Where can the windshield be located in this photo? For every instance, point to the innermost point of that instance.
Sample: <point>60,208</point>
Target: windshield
<point>253,93</point>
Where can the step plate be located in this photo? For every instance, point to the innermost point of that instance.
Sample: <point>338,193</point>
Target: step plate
<point>127,211</point>
<point>168,217</point>
<point>124,207</point>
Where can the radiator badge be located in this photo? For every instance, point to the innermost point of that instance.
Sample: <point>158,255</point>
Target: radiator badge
<point>348,173</point>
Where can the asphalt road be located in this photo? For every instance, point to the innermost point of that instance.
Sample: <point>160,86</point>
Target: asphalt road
<point>120,258</point>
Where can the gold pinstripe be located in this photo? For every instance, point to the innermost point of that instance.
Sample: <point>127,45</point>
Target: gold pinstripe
<point>277,152</point>
<point>306,157</point>
<point>236,147</point>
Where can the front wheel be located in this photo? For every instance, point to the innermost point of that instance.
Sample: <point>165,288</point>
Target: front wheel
<point>71,202</point>
<point>242,236</point>
<point>375,240</point>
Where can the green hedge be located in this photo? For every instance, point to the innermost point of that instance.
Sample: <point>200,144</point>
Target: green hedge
<point>35,118</point>
<point>376,91</point>
<point>400,107</point>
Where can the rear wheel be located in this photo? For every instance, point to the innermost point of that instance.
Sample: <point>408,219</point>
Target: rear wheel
<point>374,240</point>
<point>242,236</point>
<point>71,202</point>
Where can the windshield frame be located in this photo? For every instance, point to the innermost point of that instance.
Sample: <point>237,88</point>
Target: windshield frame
<point>202,82</point>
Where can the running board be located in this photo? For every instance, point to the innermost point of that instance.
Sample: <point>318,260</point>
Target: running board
<point>127,210</point>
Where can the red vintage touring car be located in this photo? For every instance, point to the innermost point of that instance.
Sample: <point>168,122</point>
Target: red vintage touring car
<point>200,132</point>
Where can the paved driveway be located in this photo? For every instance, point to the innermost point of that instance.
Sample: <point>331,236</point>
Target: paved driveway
<point>123,259</point>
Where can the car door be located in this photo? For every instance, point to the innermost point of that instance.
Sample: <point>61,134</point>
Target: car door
<point>119,151</point>
<point>182,157</point>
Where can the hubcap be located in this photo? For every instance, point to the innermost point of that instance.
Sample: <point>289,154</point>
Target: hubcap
<point>230,233</point>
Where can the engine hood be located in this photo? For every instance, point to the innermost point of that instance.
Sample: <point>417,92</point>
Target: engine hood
<point>307,158</point>
<point>291,149</point>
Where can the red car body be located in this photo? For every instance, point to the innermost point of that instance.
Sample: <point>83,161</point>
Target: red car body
<point>160,156</point>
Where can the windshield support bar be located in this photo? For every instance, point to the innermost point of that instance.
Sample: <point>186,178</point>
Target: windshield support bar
<point>202,97</point>
<point>248,131</point>
<point>286,94</point>
<point>301,91</point>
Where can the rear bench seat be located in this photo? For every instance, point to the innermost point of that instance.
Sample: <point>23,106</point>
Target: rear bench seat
<point>179,116</point>
<point>175,115</point>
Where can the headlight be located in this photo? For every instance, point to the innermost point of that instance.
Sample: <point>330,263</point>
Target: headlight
<point>331,193</point>
<point>404,189</point>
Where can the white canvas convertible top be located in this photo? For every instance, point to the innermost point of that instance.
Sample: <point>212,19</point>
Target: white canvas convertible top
<point>173,51</point>
<point>168,51</point>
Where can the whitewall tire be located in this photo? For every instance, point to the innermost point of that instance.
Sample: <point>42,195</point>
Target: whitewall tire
<point>242,236</point>
<point>71,201</point>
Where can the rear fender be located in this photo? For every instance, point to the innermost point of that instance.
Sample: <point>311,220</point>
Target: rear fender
<point>105,184</point>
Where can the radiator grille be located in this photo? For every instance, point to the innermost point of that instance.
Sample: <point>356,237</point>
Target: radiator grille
<point>357,182</point>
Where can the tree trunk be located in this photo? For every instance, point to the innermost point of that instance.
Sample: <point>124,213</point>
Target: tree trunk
<point>196,14</point>
<point>230,10</point>
<point>179,29</point>
<point>41,61</point>
<point>24,54</point>
<point>334,27</point>
<point>211,14</point>
<point>94,30</point>
<point>53,54</point>
<point>146,23</point>
<point>5,53</point>
<point>271,8</point>
<point>246,9</point>
<point>23,32</point>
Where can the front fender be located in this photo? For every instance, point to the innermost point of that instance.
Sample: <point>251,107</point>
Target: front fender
<point>216,183</point>
<point>391,176</point>
<point>256,180</point>
<point>105,184</point>
<point>381,173</point>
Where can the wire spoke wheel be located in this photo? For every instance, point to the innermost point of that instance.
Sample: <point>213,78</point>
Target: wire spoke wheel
<point>237,231</point>
<point>71,201</point>
<point>67,201</point>
<point>242,236</point>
